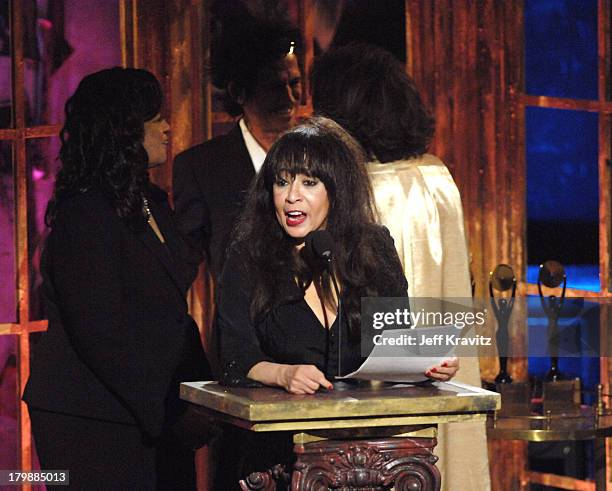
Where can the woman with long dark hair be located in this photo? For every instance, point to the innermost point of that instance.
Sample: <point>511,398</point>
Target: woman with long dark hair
<point>276,309</point>
<point>274,306</point>
<point>103,391</point>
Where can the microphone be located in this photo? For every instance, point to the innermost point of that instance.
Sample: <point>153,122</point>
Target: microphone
<point>319,245</point>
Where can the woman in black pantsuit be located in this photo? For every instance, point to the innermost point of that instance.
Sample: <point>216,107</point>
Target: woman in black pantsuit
<point>103,390</point>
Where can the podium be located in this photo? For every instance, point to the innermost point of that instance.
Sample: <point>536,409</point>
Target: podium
<point>373,436</point>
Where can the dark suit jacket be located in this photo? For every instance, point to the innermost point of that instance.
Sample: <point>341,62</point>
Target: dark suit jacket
<point>210,183</point>
<point>119,338</point>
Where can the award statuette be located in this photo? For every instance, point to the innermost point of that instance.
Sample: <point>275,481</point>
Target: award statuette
<point>502,279</point>
<point>551,275</point>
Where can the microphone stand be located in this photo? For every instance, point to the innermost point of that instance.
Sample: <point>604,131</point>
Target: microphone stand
<point>320,245</point>
<point>330,271</point>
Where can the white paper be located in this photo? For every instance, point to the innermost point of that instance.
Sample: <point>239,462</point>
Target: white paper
<point>405,363</point>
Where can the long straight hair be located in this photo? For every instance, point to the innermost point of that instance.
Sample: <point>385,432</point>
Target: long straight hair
<point>318,148</point>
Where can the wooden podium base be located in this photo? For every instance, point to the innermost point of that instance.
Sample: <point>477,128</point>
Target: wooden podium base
<point>370,438</point>
<point>405,464</point>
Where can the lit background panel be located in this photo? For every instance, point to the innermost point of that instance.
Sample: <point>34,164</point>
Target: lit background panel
<point>563,193</point>
<point>561,48</point>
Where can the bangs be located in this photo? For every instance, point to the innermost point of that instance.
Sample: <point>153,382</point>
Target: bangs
<point>301,152</point>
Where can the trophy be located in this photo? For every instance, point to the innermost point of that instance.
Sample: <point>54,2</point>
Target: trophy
<point>551,275</point>
<point>502,279</point>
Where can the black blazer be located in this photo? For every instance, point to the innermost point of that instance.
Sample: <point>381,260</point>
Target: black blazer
<point>119,338</point>
<point>210,184</point>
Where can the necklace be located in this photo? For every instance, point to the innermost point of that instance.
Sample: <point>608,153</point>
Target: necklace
<point>146,211</point>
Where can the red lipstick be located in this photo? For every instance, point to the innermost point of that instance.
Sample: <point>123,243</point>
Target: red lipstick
<point>294,218</point>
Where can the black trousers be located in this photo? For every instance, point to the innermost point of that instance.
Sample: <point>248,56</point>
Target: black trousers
<point>102,455</point>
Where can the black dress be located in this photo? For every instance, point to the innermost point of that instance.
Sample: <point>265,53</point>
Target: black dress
<point>289,334</point>
<point>103,388</point>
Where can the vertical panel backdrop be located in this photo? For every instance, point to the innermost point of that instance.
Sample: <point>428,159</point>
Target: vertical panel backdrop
<point>170,38</point>
<point>466,58</point>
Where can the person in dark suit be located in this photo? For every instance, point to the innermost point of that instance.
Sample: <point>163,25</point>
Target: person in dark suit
<point>255,64</point>
<point>103,390</point>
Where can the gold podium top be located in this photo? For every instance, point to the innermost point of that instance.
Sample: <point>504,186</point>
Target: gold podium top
<point>272,409</point>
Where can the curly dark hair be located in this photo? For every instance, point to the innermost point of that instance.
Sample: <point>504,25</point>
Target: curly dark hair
<point>102,140</point>
<point>366,90</point>
<point>241,50</point>
<point>318,148</point>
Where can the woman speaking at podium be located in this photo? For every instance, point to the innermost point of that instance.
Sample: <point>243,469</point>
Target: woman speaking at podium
<point>275,309</point>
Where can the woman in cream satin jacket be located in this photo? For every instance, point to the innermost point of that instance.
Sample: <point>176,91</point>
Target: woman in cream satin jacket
<point>366,90</point>
<point>426,223</point>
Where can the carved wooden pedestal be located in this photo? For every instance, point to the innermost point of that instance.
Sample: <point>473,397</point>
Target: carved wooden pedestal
<point>369,438</point>
<point>407,464</point>
<point>276,478</point>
